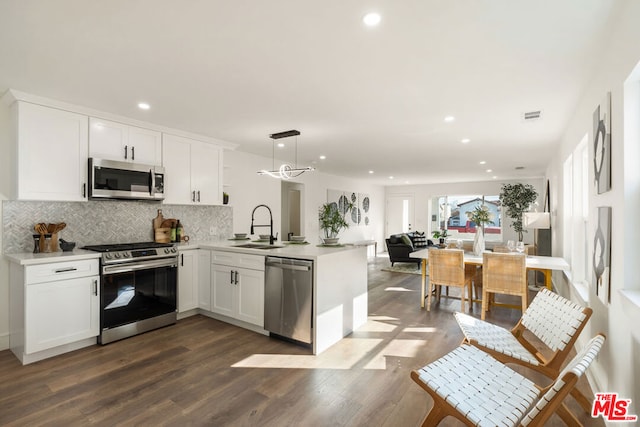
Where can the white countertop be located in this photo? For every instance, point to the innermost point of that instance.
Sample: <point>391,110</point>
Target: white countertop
<point>28,258</point>
<point>310,251</point>
<point>289,250</point>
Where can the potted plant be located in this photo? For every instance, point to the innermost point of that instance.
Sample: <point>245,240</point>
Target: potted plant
<point>516,199</point>
<point>441,235</point>
<point>332,222</point>
<point>480,215</point>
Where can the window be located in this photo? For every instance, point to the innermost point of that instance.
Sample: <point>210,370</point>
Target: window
<point>576,213</point>
<point>450,213</point>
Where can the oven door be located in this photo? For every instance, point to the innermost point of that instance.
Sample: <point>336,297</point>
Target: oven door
<point>136,291</point>
<point>109,179</point>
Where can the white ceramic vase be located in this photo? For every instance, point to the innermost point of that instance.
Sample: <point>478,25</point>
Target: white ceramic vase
<point>478,242</point>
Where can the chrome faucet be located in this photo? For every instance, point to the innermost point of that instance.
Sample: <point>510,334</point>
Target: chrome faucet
<point>270,225</point>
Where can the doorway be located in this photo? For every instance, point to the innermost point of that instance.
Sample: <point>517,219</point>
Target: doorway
<point>400,214</point>
<point>292,196</point>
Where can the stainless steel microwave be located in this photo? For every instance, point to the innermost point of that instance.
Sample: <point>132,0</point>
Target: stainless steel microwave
<point>110,179</point>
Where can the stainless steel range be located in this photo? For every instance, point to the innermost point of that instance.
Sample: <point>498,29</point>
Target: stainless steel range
<point>138,288</point>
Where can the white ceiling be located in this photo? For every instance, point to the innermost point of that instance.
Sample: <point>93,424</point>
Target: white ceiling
<point>368,99</point>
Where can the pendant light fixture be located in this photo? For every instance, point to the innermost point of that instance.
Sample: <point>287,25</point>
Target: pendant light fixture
<point>286,170</point>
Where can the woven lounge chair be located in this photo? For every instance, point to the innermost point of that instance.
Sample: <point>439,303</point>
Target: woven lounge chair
<point>475,388</point>
<point>553,319</point>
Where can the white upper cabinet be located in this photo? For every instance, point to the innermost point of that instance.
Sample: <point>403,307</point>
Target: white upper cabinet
<point>117,141</point>
<point>52,153</point>
<point>193,171</point>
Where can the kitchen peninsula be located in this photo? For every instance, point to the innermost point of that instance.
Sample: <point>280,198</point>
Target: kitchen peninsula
<point>339,283</point>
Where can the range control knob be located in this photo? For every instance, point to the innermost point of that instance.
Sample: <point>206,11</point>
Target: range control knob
<point>107,256</point>
<point>117,255</point>
<point>166,250</point>
<point>173,250</point>
<point>125,255</point>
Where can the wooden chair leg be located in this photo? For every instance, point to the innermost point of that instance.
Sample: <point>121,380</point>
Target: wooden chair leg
<point>565,415</point>
<point>429,294</point>
<point>582,400</point>
<point>434,416</point>
<point>485,303</point>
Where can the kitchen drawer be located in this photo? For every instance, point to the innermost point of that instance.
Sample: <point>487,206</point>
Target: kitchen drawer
<point>60,271</point>
<point>239,260</point>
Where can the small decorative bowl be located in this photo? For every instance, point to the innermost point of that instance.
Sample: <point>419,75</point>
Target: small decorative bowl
<point>264,236</point>
<point>297,238</point>
<point>330,240</point>
<point>240,235</point>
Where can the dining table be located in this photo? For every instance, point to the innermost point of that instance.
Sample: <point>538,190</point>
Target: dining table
<point>545,264</point>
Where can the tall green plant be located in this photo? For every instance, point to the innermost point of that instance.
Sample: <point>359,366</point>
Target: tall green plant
<point>516,199</point>
<point>332,220</point>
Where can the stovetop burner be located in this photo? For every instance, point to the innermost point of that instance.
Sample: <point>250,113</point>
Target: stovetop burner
<point>127,246</point>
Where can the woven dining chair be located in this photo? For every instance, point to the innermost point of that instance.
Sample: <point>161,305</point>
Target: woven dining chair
<point>446,268</point>
<point>478,390</point>
<point>503,274</point>
<point>552,319</point>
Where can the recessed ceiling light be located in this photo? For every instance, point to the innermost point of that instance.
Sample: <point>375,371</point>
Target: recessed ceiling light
<point>390,177</point>
<point>280,144</point>
<point>406,182</point>
<point>143,106</point>
<point>495,177</point>
<point>489,170</point>
<point>482,162</point>
<point>449,119</point>
<point>371,19</point>
<point>370,171</point>
<point>465,140</point>
<point>323,157</point>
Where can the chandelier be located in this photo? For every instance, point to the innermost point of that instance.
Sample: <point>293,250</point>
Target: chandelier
<point>286,170</point>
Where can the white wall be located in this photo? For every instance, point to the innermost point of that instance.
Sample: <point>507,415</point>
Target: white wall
<point>423,194</point>
<point>5,191</point>
<point>617,368</point>
<point>247,189</point>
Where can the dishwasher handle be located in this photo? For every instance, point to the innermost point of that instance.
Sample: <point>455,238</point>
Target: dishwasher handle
<point>297,267</point>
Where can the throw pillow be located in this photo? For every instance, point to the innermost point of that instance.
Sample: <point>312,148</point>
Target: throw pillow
<point>394,240</point>
<point>406,240</point>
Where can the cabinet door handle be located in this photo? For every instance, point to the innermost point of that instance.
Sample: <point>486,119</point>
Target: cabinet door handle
<point>198,195</point>
<point>193,196</point>
<point>65,270</point>
<point>84,190</point>
<point>236,277</point>
<point>182,260</point>
<point>231,277</point>
<point>125,151</point>
<point>133,153</point>
<point>95,287</point>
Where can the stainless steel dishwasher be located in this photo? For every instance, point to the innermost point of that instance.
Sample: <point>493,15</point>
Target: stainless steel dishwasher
<point>288,299</point>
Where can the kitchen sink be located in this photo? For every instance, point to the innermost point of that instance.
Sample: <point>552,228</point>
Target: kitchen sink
<point>258,246</point>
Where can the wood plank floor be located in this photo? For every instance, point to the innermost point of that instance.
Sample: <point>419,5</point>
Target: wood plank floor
<point>205,372</point>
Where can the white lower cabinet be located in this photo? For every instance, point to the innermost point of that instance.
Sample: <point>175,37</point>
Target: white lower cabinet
<point>193,279</point>
<point>55,308</point>
<point>237,291</point>
<point>61,312</point>
<point>204,279</point>
<point>187,280</point>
